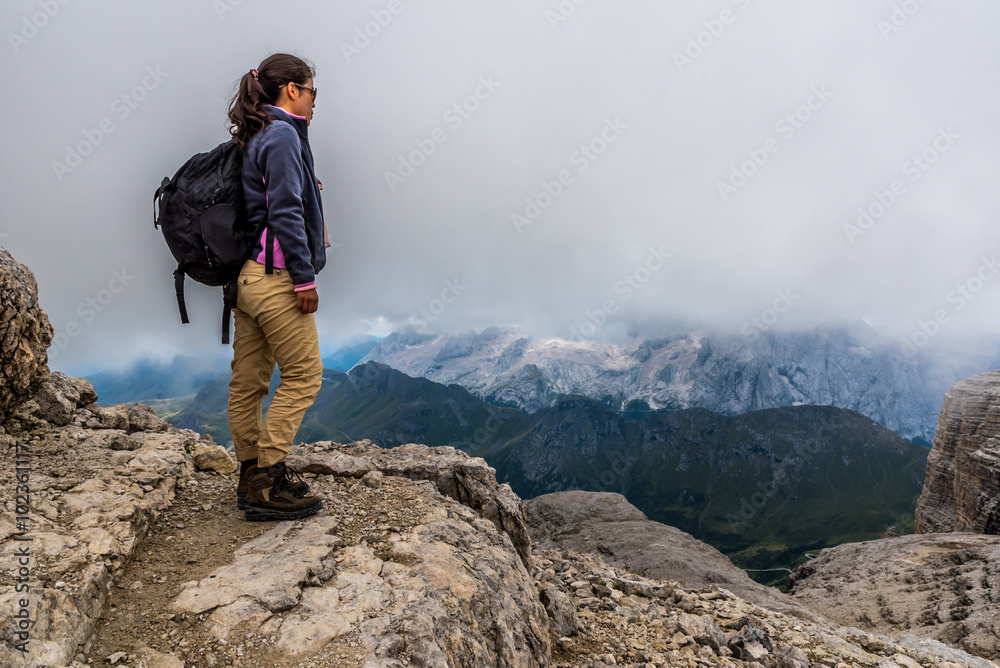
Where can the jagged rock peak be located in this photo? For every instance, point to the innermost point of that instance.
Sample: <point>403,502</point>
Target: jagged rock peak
<point>25,335</point>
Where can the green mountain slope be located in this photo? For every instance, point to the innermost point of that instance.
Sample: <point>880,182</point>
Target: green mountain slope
<point>764,487</point>
<point>379,403</point>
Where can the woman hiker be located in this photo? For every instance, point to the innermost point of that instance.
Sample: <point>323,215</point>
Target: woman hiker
<point>270,116</point>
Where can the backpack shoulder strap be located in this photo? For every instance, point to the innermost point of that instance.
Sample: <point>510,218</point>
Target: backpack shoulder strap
<point>156,197</point>
<point>228,303</point>
<point>179,289</point>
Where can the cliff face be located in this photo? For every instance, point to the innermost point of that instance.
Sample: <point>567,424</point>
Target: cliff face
<point>942,582</point>
<point>963,469</point>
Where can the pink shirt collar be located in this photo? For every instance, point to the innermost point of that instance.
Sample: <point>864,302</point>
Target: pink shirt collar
<point>287,112</point>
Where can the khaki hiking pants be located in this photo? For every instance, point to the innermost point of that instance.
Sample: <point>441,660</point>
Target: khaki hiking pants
<point>270,328</point>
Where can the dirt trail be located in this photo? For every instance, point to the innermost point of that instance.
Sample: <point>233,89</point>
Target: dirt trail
<point>196,535</point>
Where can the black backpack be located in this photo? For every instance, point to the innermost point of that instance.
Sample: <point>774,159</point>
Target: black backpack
<point>203,217</point>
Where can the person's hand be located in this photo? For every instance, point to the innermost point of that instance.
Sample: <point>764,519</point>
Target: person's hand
<point>308,301</point>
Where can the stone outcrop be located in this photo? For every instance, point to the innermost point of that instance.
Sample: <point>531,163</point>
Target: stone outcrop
<point>468,480</point>
<point>962,487</point>
<point>25,335</point>
<point>59,397</point>
<point>607,524</point>
<point>941,586</point>
<point>439,581</point>
<point>448,589</point>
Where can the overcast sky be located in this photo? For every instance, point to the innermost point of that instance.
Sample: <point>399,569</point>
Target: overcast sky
<point>729,146</point>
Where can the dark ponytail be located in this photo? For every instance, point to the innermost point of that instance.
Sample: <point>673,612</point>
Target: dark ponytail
<point>262,86</point>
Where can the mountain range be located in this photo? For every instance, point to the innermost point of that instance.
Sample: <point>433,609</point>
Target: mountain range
<point>765,488</point>
<point>847,367</point>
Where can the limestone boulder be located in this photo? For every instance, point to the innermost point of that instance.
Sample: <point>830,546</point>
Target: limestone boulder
<point>209,457</point>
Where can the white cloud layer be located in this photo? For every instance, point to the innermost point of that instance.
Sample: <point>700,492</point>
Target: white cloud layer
<point>541,153</point>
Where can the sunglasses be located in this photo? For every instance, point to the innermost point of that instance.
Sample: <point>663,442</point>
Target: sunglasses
<point>311,90</point>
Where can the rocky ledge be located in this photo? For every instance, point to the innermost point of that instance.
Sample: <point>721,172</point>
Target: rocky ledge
<point>436,582</point>
<point>613,617</point>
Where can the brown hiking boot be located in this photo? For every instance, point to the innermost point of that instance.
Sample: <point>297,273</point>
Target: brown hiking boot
<point>299,486</point>
<point>270,495</point>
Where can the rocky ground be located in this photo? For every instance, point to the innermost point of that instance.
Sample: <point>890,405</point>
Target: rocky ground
<point>606,523</point>
<point>941,585</point>
<point>629,620</point>
<point>418,558</point>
